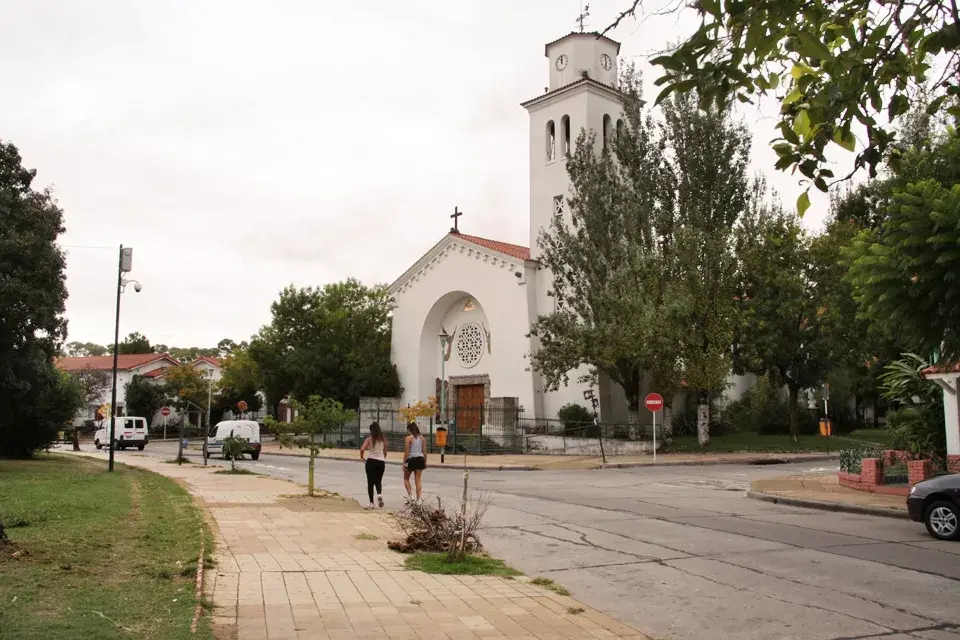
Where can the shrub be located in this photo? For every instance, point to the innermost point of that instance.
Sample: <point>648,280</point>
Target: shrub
<point>919,430</point>
<point>765,410</point>
<point>850,459</point>
<point>578,421</point>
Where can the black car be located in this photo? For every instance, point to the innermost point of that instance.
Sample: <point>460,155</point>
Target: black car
<point>936,503</point>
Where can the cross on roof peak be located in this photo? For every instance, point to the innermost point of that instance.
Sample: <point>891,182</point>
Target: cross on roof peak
<point>456,220</point>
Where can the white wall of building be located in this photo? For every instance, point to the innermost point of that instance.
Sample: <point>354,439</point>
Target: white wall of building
<point>426,298</point>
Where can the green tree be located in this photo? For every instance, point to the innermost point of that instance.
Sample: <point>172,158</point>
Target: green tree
<point>620,304</point>
<point>314,417</point>
<point>333,342</point>
<point>708,156</point>
<point>831,65</point>
<point>793,325</point>
<point>84,349</point>
<point>135,343</point>
<point>144,398</point>
<point>37,398</point>
<point>186,387</point>
<point>904,271</point>
<point>240,380</point>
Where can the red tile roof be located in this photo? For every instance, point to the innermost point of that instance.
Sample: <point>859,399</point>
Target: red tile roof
<point>156,373</point>
<point>953,367</point>
<point>512,250</point>
<point>125,362</point>
<point>209,360</point>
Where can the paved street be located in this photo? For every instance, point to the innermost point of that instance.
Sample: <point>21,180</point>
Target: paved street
<point>679,552</point>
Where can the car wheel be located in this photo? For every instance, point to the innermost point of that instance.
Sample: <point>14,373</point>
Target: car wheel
<point>255,455</point>
<point>140,447</point>
<point>943,520</point>
<point>97,444</point>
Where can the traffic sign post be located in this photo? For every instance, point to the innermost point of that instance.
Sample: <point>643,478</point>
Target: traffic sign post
<point>165,412</point>
<point>654,402</point>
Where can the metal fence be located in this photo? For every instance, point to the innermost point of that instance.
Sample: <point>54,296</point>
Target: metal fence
<point>498,430</point>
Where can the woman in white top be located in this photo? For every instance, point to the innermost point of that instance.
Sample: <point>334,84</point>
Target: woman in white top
<point>375,450</point>
<point>414,460</point>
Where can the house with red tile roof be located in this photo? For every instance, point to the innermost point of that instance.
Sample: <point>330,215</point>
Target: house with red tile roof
<point>150,365</point>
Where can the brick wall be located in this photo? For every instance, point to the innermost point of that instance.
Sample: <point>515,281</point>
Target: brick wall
<point>870,477</point>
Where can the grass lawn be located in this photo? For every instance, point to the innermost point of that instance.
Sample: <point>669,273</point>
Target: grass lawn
<point>469,566</point>
<point>110,555</point>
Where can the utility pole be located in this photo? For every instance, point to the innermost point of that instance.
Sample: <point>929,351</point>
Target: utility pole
<point>206,431</point>
<point>125,264</point>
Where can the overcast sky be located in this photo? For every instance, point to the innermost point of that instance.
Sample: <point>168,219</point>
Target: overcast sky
<point>243,146</point>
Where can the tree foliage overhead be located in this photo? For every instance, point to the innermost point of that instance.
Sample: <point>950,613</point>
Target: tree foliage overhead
<point>831,65</point>
<point>77,349</point>
<point>37,398</point>
<point>333,342</point>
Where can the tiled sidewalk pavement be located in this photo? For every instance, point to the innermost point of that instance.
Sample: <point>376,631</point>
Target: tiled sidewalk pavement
<point>287,569</point>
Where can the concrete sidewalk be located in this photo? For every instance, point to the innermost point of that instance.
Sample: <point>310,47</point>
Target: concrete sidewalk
<point>290,567</point>
<point>825,492</point>
<point>543,462</point>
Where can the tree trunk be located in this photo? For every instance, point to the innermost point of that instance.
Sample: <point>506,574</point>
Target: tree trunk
<point>75,437</point>
<point>794,398</point>
<point>703,420</point>
<point>633,419</point>
<point>666,428</point>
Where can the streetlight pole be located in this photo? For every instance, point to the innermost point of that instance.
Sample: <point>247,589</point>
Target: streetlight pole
<point>206,432</point>
<point>124,265</point>
<point>444,336</point>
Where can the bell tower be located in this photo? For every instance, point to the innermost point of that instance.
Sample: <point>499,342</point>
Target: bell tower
<point>582,95</point>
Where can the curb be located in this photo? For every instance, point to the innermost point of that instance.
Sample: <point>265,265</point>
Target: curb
<point>469,467</point>
<point>829,506</point>
<point>609,465</point>
<point>707,463</point>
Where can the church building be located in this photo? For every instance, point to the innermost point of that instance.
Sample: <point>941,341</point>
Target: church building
<point>464,310</point>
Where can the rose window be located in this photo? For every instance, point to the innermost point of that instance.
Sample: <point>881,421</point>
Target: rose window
<point>469,344</point>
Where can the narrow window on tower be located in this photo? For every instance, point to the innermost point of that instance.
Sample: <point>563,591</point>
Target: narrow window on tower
<point>565,132</point>
<point>620,126</point>
<point>551,141</point>
<point>607,131</point>
<point>558,205</point>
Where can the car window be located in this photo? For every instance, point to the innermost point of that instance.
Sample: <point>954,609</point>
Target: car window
<point>128,423</point>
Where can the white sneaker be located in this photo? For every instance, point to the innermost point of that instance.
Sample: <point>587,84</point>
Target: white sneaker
<point>369,506</point>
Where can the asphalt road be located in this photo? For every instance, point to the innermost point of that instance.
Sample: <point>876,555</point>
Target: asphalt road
<point>680,552</point>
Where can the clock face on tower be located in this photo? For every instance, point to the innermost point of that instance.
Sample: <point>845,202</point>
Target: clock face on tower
<point>606,62</point>
<point>561,62</point>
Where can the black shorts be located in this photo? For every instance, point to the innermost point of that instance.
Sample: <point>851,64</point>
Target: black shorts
<point>417,463</point>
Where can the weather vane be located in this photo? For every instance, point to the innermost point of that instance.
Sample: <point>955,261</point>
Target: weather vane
<point>584,13</point>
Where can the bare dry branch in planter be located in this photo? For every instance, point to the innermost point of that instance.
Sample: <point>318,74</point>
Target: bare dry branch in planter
<point>435,529</point>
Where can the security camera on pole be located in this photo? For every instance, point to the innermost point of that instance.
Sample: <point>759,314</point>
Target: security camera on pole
<point>125,266</point>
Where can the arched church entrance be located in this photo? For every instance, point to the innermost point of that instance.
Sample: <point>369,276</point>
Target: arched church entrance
<point>463,358</point>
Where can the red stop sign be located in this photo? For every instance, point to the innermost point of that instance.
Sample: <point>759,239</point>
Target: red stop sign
<point>653,402</point>
<point>165,411</point>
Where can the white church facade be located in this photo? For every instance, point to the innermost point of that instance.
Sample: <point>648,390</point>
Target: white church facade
<point>486,294</point>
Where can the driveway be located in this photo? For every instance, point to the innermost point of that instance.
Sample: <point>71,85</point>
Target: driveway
<point>679,552</point>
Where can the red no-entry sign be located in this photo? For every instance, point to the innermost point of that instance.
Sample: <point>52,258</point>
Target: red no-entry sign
<point>165,411</point>
<point>653,402</point>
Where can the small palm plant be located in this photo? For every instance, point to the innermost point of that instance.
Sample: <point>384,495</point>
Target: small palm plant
<point>233,448</point>
<point>314,417</point>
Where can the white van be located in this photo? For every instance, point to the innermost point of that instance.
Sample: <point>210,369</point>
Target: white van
<point>249,430</point>
<point>128,432</point>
